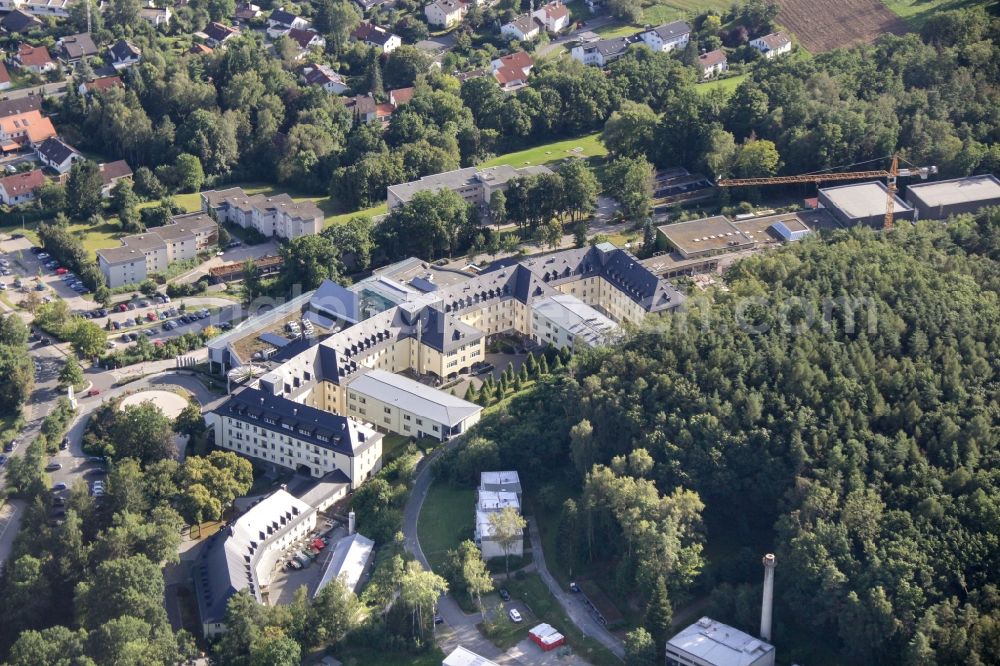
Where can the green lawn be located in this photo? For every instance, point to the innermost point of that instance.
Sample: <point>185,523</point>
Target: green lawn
<point>662,12</point>
<point>584,146</point>
<point>446,520</point>
<point>916,12</point>
<point>393,446</point>
<point>536,596</point>
<point>728,85</point>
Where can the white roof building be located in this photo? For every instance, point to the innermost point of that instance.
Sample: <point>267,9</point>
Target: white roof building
<point>461,656</point>
<point>491,500</point>
<point>405,401</point>
<point>711,643</point>
<point>507,481</point>
<point>348,561</point>
<point>566,321</point>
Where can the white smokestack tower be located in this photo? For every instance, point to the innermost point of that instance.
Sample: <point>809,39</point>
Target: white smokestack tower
<point>350,523</point>
<point>767,606</point>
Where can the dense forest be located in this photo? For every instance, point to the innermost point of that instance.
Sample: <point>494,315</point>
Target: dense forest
<point>837,405</point>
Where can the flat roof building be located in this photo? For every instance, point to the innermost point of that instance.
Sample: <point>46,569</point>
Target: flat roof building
<point>505,481</point>
<point>702,238</point>
<point>862,203</point>
<point>461,656</point>
<point>348,561</point>
<point>944,198</point>
<point>711,643</point>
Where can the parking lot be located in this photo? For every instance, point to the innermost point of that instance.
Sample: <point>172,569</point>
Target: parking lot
<point>285,581</point>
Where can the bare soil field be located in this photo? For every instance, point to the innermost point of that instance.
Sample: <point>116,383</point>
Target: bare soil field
<point>824,25</point>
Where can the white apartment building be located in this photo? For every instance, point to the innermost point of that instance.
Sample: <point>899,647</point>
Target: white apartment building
<point>279,216</point>
<point>445,13</point>
<point>407,407</point>
<point>244,555</point>
<point>772,45</point>
<point>667,37</point>
<point>153,251</point>
<point>289,434</point>
<point>488,502</point>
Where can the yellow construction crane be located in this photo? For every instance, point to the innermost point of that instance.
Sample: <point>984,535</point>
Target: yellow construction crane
<point>890,176</point>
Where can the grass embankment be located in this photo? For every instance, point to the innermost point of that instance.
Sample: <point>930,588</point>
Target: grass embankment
<point>446,520</point>
<point>916,12</point>
<point>584,146</point>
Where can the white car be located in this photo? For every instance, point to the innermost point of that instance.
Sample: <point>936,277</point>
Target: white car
<point>514,615</point>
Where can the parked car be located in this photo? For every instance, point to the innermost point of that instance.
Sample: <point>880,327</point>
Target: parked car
<point>514,615</point>
<point>438,619</point>
<point>43,255</point>
<point>133,336</point>
<point>53,466</point>
<point>10,446</point>
<point>3,460</point>
<point>115,325</point>
<point>92,392</point>
<point>59,487</point>
<point>124,337</point>
<point>504,594</point>
<point>64,444</point>
<point>130,306</point>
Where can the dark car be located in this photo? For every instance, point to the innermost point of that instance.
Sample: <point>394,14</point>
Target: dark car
<point>64,444</point>
<point>96,459</point>
<point>59,487</point>
<point>133,336</point>
<point>10,446</point>
<point>438,619</point>
<point>3,460</point>
<point>51,467</point>
<point>504,594</point>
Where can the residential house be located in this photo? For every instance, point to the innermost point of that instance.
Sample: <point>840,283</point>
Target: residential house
<point>216,34</point>
<point>519,60</point>
<point>20,188</point>
<point>58,8</point>
<point>400,96</point>
<point>57,155</point>
<point>200,49</point>
<point>306,40</point>
<point>158,17</point>
<point>74,48</point>
<point>24,130</point>
<point>462,656</point>
<point>366,5</point>
<point>323,76</point>
<point>19,22</point>
<point>712,63</point>
<point>278,216</point>
<point>153,251</point>
<point>280,22</point>
<point>445,13</point>
<point>102,84</point>
<point>667,37</point>
<point>247,11</point>
<point>374,35</point>
<point>124,54</point>
<point>772,45</point>
<point>554,16</point>
<point>523,28</point>
<point>4,77</point>
<point>366,109</point>
<point>511,78</point>
<point>112,173</point>
<point>603,51</point>
<point>34,59</point>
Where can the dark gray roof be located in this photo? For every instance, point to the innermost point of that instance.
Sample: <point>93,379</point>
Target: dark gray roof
<point>124,50</point>
<point>610,47</point>
<point>423,284</point>
<point>336,302</point>
<point>18,21</point>
<point>323,429</point>
<point>274,339</point>
<point>213,579</point>
<point>78,46</point>
<point>282,17</point>
<point>672,30</point>
<point>11,107</point>
<point>54,150</point>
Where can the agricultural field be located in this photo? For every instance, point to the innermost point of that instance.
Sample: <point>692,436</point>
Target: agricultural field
<point>824,25</point>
